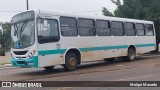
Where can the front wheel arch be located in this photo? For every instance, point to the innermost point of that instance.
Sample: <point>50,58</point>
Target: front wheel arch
<point>75,51</point>
<point>71,61</point>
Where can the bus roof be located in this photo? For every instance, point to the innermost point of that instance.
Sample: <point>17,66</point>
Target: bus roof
<point>89,16</point>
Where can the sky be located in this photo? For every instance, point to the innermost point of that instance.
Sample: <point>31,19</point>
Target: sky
<point>8,8</point>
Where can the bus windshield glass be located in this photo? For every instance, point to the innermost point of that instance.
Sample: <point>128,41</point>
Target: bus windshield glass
<point>23,34</point>
<point>23,30</point>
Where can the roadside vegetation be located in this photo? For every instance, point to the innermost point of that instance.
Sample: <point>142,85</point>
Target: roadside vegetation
<point>138,9</point>
<point>5,38</point>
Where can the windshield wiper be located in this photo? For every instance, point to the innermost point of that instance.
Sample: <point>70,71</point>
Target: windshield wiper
<point>16,30</point>
<point>23,26</point>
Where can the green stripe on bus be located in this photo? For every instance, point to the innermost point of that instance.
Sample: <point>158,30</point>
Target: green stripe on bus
<point>61,51</point>
<point>103,48</point>
<point>47,52</point>
<point>145,45</point>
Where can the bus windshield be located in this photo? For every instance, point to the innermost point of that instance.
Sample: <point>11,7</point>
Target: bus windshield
<point>23,34</point>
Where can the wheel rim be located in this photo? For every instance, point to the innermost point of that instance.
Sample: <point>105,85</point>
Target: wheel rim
<point>72,62</point>
<point>131,54</point>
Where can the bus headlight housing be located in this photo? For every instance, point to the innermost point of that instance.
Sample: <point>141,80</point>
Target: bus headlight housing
<point>30,56</point>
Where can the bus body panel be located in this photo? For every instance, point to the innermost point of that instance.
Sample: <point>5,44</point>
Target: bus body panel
<point>92,48</point>
<point>23,60</point>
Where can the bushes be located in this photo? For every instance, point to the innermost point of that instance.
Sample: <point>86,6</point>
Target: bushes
<point>2,52</point>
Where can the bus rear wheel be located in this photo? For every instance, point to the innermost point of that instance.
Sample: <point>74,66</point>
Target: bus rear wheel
<point>50,68</point>
<point>131,55</point>
<point>71,62</point>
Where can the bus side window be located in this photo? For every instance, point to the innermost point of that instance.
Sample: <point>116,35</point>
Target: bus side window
<point>140,29</point>
<point>49,32</point>
<point>103,28</point>
<point>149,30</point>
<point>117,28</point>
<point>68,26</point>
<point>129,29</point>
<point>86,27</point>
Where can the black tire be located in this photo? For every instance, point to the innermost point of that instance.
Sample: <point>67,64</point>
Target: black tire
<point>131,55</point>
<point>50,68</point>
<point>71,62</point>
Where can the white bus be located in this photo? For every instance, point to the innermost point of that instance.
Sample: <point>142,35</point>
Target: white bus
<point>45,38</point>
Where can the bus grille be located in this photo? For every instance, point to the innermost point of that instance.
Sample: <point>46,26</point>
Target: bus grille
<point>20,52</point>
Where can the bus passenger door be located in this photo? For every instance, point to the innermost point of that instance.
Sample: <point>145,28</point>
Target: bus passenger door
<point>48,39</point>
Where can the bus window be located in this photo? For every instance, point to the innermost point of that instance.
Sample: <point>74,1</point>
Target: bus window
<point>49,33</point>
<point>117,28</point>
<point>68,26</point>
<point>102,28</point>
<point>149,30</point>
<point>129,29</point>
<point>140,29</point>
<point>86,27</point>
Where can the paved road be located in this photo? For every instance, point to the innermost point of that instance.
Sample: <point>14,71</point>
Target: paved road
<point>145,68</point>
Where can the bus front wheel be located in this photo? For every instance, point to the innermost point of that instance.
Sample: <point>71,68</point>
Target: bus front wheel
<point>131,55</point>
<point>71,62</point>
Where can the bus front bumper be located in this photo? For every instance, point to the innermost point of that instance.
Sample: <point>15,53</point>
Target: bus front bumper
<point>26,63</point>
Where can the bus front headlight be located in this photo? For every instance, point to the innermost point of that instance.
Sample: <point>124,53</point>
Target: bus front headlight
<point>30,56</point>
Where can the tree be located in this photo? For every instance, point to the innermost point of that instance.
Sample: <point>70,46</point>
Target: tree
<point>1,38</point>
<point>1,34</point>
<point>118,2</point>
<point>140,9</point>
<point>106,12</point>
<point>5,39</point>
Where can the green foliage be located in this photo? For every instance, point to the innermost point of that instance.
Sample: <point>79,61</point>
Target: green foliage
<point>118,2</point>
<point>137,9</point>
<point>140,9</point>
<point>1,38</point>
<point>2,52</point>
<point>5,39</point>
<point>106,12</point>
